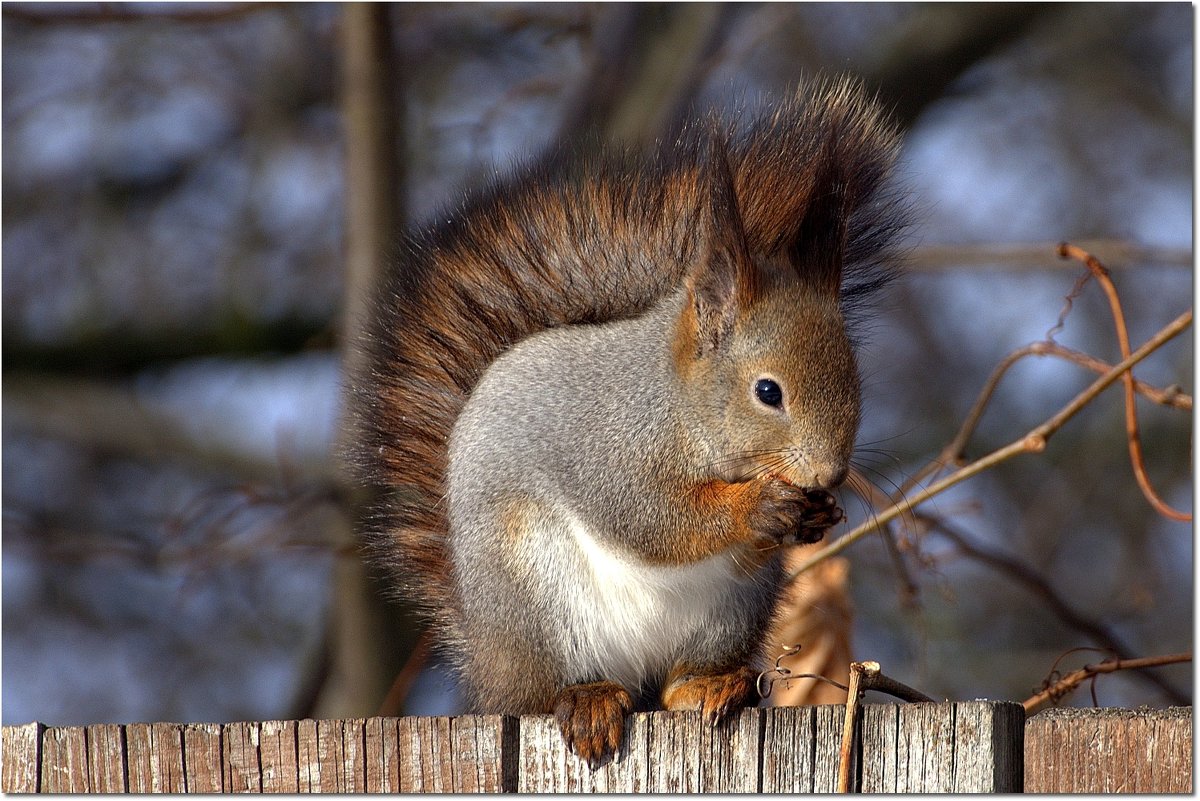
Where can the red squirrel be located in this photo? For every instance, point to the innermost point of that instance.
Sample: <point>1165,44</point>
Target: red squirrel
<point>603,394</point>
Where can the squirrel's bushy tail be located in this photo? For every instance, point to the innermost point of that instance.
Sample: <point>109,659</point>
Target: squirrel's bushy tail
<point>588,242</point>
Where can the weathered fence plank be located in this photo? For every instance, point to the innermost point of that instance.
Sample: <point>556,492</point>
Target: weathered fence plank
<point>64,760</point>
<point>1109,751</point>
<point>202,758</point>
<point>21,758</point>
<point>450,755</point>
<point>546,766</point>
<point>331,756</point>
<point>989,753</point>
<point>154,757</point>
<point>106,758</point>
<point>308,765</point>
<point>951,747</point>
<point>686,755</point>
<point>240,771</point>
<point>964,747</point>
<point>277,756</point>
<point>484,749</point>
<point>800,749</point>
<point>351,773</point>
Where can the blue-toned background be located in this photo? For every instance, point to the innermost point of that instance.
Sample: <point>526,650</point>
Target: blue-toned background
<point>174,530</point>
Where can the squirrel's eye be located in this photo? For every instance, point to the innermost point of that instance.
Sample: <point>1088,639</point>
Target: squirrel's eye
<point>768,392</point>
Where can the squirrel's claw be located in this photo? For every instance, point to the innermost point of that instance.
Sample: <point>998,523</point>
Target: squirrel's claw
<point>822,513</point>
<point>591,718</point>
<point>787,513</point>
<point>717,696</point>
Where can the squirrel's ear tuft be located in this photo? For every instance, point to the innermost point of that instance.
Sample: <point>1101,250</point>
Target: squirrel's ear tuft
<point>819,249</point>
<point>723,279</point>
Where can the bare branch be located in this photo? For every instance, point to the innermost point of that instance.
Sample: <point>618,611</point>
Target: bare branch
<point>102,13</point>
<point>1033,442</point>
<point>1038,256</point>
<point>1172,396</point>
<point>955,451</point>
<point>846,750</point>
<point>866,676</point>
<point>1097,269</point>
<point>1057,691</point>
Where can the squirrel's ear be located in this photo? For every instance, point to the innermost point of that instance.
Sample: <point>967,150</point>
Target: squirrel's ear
<point>723,280</point>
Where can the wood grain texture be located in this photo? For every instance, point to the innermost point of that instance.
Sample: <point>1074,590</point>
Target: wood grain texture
<point>948,747</point>
<point>546,766</point>
<point>989,753</point>
<point>959,747</point>
<point>380,740</point>
<point>308,767</point>
<point>21,750</point>
<point>277,756</point>
<point>1109,751</point>
<point>800,749</point>
<point>202,757</point>
<point>240,771</point>
<point>687,755</point>
<point>478,743</point>
<point>425,754</point>
<point>154,757</point>
<point>64,760</point>
<point>662,752</point>
<point>339,757</point>
<point>105,758</point>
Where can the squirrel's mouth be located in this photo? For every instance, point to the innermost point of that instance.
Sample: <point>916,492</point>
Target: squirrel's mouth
<point>791,468</point>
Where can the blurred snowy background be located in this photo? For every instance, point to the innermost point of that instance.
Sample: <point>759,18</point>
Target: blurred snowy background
<point>176,540</point>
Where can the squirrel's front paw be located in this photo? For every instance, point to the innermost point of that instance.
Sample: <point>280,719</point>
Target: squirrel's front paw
<point>789,513</point>
<point>718,696</point>
<point>822,513</point>
<point>591,718</point>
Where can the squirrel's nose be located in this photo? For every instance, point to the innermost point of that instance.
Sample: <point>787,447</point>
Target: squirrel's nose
<point>827,476</point>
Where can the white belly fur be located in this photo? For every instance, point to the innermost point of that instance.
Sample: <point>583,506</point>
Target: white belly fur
<point>630,618</point>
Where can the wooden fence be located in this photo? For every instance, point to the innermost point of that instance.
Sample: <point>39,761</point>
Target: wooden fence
<point>953,747</point>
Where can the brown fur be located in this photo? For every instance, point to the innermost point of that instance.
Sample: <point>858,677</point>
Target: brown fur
<point>605,239</point>
<point>716,695</point>
<point>591,718</point>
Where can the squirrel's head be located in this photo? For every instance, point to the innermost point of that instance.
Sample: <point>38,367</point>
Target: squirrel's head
<point>761,347</point>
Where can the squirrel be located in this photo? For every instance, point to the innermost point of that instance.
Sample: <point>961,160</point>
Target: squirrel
<point>603,394</point>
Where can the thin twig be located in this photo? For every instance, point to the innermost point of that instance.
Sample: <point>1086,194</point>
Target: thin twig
<point>785,674</point>
<point>1033,442</point>
<point>1172,396</point>
<point>866,676</point>
<point>1062,687</point>
<point>1069,251</point>
<point>874,680</point>
<point>846,751</point>
<point>955,450</point>
<point>1031,256</point>
<point>101,13</point>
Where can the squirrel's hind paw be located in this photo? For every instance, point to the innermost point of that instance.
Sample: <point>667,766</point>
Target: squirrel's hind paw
<point>591,718</point>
